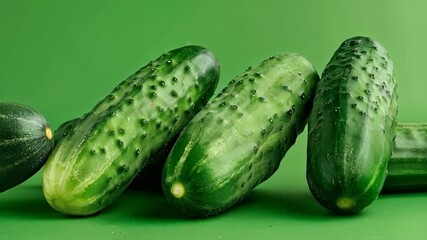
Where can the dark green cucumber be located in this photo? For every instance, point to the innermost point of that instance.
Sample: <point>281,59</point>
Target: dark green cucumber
<point>407,167</point>
<point>92,165</point>
<point>26,140</point>
<point>239,139</point>
<point>352,126</point>
<point>64,129</point>
<point>149,178</point>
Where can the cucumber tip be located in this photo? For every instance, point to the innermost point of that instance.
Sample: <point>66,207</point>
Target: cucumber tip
<point>48,133</point>
<point>177,190</point>
<point>345,203</point>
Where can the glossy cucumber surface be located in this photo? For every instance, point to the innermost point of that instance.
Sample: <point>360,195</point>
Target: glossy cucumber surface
<point>407,167</point>
<point>352,126</point>
<point>26,141</point>
<point>92,165</point>
<point>149,178</point>
<point>240,138</point>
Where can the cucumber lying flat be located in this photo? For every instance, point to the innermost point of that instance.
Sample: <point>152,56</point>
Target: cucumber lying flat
<point>26,141</point>
<point>407,167</point>
<point>239,139</point>
<point>352,126</point>
<point>92,165</point>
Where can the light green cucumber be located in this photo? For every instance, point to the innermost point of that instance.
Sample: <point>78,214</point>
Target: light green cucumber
<point>92,165</point>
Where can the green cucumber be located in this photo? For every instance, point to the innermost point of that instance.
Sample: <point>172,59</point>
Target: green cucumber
<point>26,140</point>
<point>352,126</point>
<point>239,139</point>
<point>92,165</point>
<point>407,167</point>
<point>64,129</point>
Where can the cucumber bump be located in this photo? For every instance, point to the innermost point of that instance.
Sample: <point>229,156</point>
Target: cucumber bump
<point>149,178</point>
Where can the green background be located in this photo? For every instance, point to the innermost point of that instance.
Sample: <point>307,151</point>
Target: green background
<point>61,57</point>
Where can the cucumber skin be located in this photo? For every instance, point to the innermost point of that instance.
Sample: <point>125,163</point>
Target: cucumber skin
<point>64,129</point>
<point>150,176</point>
<point>352,127</point>
<point>24,143</point>
<point>96,161</point>
<point>238,140</point>
<point>407,167</point>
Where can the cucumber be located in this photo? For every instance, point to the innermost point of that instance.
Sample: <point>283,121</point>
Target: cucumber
<point>407,167</point>
<point>239,139</point>
<point>149,178</point>
<point>92,165</point>
<point>26,140</point>
<point>352,126</point>
<point>64,129</point>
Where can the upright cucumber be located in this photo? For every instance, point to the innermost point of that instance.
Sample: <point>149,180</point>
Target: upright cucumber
<point>100,156</point>
<point>407,167</point>
<point>352,126</point>
<point>239,139</point>
<point>26,140</point>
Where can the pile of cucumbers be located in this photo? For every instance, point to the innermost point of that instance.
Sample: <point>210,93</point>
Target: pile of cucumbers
<point>159,128</point>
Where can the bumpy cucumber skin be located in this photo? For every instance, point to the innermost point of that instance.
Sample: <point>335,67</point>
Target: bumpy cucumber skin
<point>352,126</point>
<point>239,139</point>
<point>150,176</point>
<point>407,167</point>
<point>25,143</point>
<point>97,160</point>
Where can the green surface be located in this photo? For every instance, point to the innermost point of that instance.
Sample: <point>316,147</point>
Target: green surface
<point>62,57</point>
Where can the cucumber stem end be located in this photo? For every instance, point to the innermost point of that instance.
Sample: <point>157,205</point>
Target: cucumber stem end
<point>345,203</point>
<point>177,190</point>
